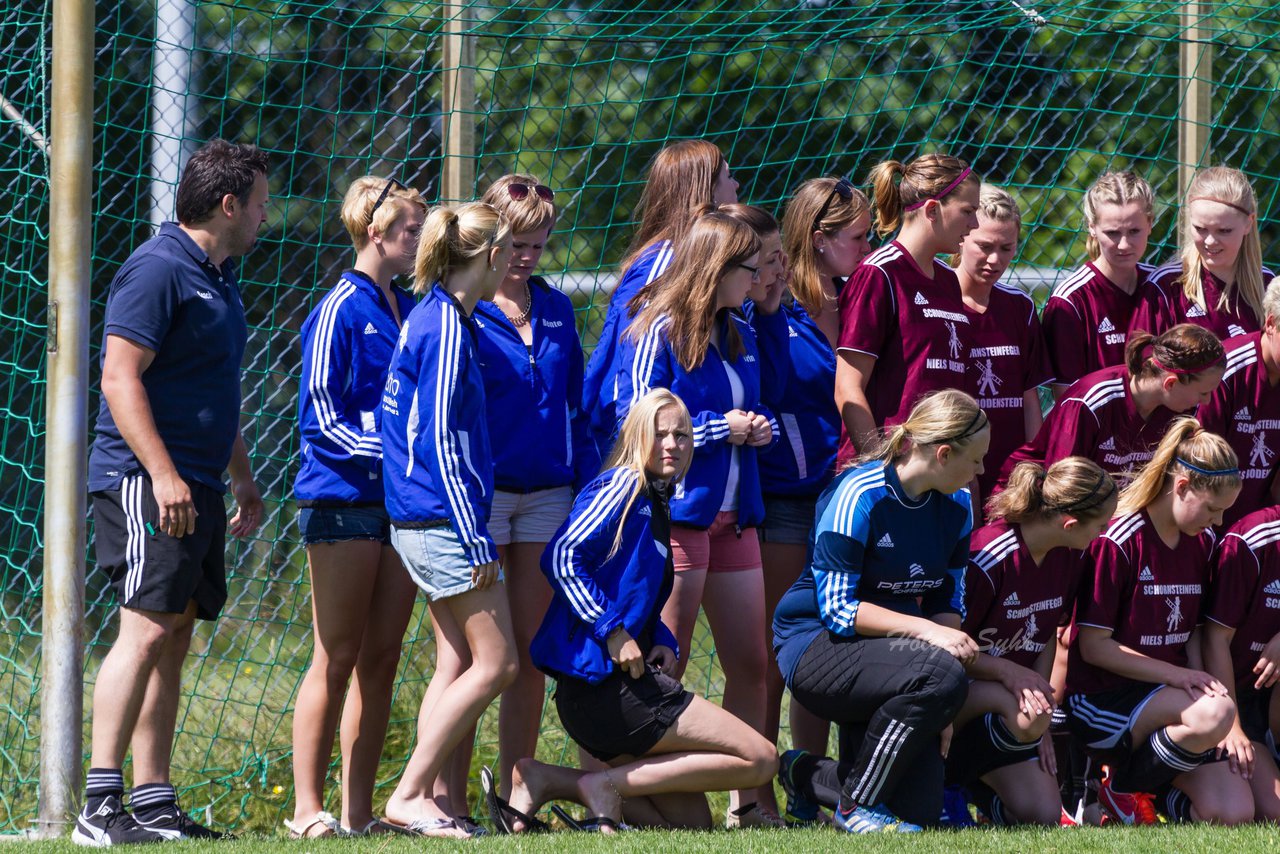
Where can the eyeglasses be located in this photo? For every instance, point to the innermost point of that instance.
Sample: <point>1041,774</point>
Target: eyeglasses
<point>755,271</point>
<point>843,189</point>
<point>521,191</point>
<point>382,197</point>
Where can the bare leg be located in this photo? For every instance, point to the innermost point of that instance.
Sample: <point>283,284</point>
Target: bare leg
<point>452,659</point>
<point>1194,725</point>
<point>706,749</point>
<point>1218,795</point>
<point>680,612</point>
<point>342,581</point>
<point>158,717</point>
<point>520,711</point>
<point>734,604</point>
<point>368,707</point>
<point>123,679</point>
<point>486,623</point>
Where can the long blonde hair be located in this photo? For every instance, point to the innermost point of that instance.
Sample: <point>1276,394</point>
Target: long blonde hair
<point>1115,188</point>
<point>1073,486</point>
<point>686,292</point>
<point>453,238</point>
<point>930,176</point>
<point>946,417</point>
<point>798,227</point>
<point>635,443</point>
<point>1187,450</point>
<point>1228,187</point>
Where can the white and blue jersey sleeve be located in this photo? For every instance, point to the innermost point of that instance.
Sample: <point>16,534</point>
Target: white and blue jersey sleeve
<point>839,549</point>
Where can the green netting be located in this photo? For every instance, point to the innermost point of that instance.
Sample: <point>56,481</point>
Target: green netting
<point>1040,96</point>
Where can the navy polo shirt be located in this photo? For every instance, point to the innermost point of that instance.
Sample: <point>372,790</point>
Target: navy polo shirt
<point>170,298</point>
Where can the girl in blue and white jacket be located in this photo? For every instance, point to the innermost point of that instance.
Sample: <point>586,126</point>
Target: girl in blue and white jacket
<point>361,596</point>
<point>531,362</point>
<point>690,339</point>
<point>683,178</point>
<point>825,229</point>
<point>439,482</point>
<point>604,642</point>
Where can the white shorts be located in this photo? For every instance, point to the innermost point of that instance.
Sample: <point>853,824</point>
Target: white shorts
<point>530,517</point>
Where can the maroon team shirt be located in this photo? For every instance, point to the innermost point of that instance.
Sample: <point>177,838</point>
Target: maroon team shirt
<point>1146,594</point>
<point>1085,322</point>
<point>916,328</point>
<point>1245,592</point>
<point>1096,419</point>
<point>1245,410</point>
<point>1163,304</point>
<point>1007,358</point>
<point>1013,607</point>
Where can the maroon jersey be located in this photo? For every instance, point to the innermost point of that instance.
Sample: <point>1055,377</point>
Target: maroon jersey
<point>1146,594</point>
<point>1085,322</point>
<point>1245,410</point>
<point>1013,607</point>
<point>915,326</point>
<point>1006,359</point>
<point>1096,419</point>
<point>1164,304</point>
<point>1245,592</point>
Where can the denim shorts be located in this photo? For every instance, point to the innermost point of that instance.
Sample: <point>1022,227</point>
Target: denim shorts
<point>341,524</point>
<point>788,520</point>
<point>529,517</point>
<point>435,559</point>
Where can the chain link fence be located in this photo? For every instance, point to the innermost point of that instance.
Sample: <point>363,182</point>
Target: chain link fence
<point>1040,99</point>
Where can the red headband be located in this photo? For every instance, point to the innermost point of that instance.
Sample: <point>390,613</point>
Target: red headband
<point>1221,202</point>
<point>1183,371</point>
<point>964,173</point>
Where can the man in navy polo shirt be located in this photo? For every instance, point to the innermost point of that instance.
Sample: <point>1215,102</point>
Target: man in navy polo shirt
<point>167,430</point>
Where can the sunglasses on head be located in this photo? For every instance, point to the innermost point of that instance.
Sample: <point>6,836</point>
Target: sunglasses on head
<point>382,197</point>
<point>521,191</point>
<point>844,189</point>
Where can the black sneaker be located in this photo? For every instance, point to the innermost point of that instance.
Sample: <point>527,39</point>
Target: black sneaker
<point>171,820</point>
<point>111,824</point>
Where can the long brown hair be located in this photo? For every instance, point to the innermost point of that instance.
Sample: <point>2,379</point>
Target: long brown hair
<point>686,292</point>
<point>681,179</point>
<point>798,227</point>
<point>930,176</point>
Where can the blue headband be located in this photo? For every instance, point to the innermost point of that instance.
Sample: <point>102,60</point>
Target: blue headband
<point>1209,472</point>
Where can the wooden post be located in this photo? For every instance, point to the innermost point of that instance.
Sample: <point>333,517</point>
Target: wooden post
<point>67,395</point>
<point>459,101</point>
<point>1195,67</point>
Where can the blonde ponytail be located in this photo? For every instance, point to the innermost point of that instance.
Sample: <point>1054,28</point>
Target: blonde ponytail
<point>1187,450</point>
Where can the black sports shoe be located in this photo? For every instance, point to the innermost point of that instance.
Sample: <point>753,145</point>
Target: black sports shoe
<point>111,824</point>
<point>172,820</point>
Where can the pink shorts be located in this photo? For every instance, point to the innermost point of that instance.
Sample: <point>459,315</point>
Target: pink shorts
<point>720,548</point>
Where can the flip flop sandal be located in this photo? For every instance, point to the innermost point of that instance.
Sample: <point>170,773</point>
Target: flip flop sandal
<point>590,824</point>
<point>432,828</point>
<point>298,830</point>
<point>374,827</point>
<point>470,825</point>
<point>500,811</point>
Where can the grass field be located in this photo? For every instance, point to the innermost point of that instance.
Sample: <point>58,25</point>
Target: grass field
<point>1183,840</point>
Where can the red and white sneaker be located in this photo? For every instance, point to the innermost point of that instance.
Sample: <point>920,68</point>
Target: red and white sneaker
<point>1127,807</point>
